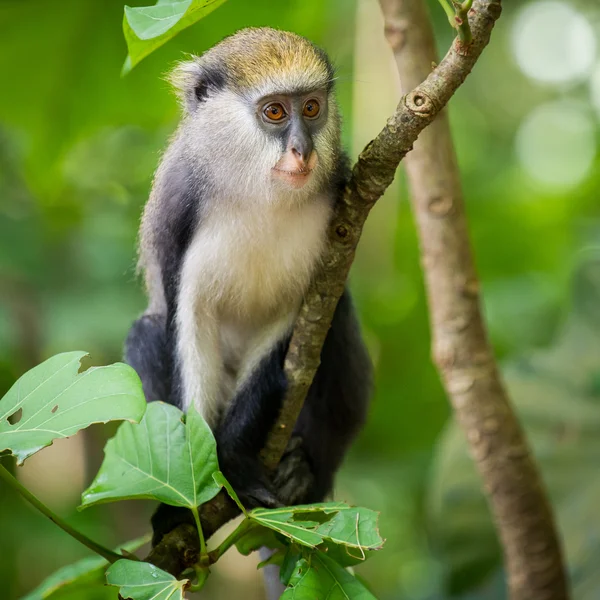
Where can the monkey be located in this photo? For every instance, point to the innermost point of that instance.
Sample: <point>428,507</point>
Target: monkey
<point>234,229</point>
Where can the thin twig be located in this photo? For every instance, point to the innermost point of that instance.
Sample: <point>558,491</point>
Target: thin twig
<point>461,349</point>
<point>371,175</point>
<point>13,482</point>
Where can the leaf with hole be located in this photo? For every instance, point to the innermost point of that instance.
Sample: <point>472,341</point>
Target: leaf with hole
<point>144,581</point>
<point>162,458</point>
<point>54,400</point>
<point>81,574</point>
<point>331,522</point>
<point>147,28</point>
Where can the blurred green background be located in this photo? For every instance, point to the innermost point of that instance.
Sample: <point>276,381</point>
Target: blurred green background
<point>78,146</point>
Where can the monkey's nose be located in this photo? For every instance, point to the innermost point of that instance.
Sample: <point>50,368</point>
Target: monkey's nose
<point>301,148</point>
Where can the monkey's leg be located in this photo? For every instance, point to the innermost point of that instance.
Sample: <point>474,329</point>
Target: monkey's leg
<point>146,351</point>
<point>243,430</point>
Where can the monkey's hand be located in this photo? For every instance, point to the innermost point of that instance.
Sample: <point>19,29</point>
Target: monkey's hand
<point>249,478</point>
<point>290,484</point>
<point>294,477</point>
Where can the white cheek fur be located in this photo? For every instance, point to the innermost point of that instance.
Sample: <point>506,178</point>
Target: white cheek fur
<point>242,167</point>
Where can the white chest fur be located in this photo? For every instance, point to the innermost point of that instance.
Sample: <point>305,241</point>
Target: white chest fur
<point>250,262</point>
<point>242,282</point>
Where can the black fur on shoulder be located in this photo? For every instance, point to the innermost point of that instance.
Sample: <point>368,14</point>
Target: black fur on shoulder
<point>176,219</point>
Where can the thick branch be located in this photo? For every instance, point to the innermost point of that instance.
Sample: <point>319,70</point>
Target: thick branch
<point>371,175</point>
<point>461,349</point>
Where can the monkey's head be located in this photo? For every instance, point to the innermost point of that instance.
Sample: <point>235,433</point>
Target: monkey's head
<point>259,109</point>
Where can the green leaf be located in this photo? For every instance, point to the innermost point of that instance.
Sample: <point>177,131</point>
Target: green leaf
<point>288,565</point>
<point>321,577</point>
<point>146,28</point>
<point>144,581</point>
<point>275,559</point>
<point>313,524</point>
<point>220,480</point>
<point>54,400</point>
<point>161,458</point>
<point>84,572</point>
<point>345,556</point>
<point>149,22</point>
<point>281,520</point>
<point>256,538</point>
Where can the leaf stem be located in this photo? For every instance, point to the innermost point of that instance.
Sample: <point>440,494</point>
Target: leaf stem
<point>200,532</point>
<point>449,11</point>
<point>461,20</point>
<point>13,482</point>
<point>458,16</point>
<point>230,540</point>
<point>202,574</point>
<point>202,567</point>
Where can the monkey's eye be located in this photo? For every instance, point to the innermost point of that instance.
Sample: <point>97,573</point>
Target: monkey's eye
<point>274,112</point>
<point>311,108</point>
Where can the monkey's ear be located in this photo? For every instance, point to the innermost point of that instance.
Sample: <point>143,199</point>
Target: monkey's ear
<point>194,81</point>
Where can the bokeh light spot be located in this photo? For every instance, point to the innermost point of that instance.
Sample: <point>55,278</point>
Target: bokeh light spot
<point>556,143</point>
<point>553,43</point>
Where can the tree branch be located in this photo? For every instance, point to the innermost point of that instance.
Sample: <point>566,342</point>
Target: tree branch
<point>371,175</point>
<point>461,349</point>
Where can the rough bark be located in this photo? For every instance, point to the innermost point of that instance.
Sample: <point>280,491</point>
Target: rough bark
<point>371,175</point>
<point>460,345</point>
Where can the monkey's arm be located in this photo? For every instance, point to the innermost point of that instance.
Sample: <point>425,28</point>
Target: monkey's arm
<point>190,334</point>
<point>170,218</point>
<point>166,227</point>
<point>169,221</point>
<point>163,239</point>
<point>199,366</point>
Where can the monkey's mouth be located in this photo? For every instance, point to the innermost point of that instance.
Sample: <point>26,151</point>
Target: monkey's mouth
<point>295,179</point>
<point>295,170</point>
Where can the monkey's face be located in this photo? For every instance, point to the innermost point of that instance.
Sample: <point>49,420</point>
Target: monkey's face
<point>294,121</point>
<point>267,145</point>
